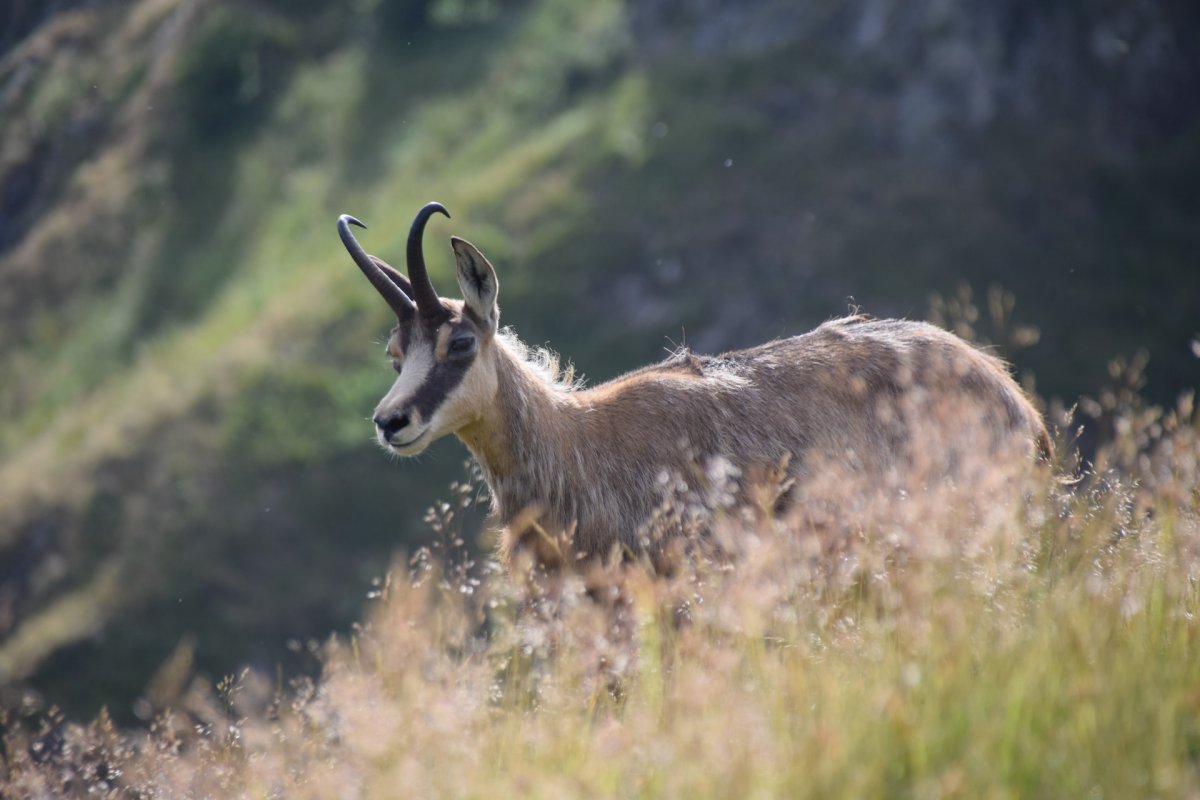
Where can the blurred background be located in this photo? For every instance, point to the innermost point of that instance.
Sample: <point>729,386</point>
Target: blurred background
<point>188,359</point>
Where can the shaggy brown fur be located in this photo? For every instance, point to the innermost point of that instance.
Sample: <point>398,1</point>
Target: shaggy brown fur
<point>867,396</point>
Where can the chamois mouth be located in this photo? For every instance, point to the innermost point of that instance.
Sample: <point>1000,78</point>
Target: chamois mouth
<point>411,447</point>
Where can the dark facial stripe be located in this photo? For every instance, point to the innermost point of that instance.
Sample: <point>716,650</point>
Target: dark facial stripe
<point>442,380</point>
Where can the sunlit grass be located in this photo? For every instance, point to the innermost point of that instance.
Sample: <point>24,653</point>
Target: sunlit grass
<point>1049,649</point>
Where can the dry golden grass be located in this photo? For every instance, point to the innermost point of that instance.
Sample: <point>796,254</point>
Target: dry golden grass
<point>928,640</point>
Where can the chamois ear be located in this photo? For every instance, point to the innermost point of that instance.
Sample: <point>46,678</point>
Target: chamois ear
<point>477,281</point>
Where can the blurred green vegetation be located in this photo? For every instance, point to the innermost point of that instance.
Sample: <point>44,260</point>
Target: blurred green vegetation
<point>191,360</point>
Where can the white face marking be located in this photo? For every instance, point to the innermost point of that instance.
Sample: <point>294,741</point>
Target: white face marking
<point>415,369</point>
<point>418,361</point>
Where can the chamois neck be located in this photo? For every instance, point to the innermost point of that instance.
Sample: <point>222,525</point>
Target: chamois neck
<point>517,438</point>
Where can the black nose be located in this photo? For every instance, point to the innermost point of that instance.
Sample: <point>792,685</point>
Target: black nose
<point>390,426</point>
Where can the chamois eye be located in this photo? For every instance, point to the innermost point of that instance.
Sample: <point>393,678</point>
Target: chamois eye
<point>397,365</point>
<point>461,345</point>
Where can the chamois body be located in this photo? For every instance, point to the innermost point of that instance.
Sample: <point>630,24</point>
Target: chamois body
<point>842,396</point>
<point>877,399</point>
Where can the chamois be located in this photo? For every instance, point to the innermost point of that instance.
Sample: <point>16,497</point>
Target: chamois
<point>856,393</point>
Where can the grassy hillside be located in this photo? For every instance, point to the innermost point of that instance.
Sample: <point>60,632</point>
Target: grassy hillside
<point>919,645</point>
<point>190,359</point>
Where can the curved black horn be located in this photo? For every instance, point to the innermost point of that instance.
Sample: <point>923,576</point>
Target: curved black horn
<point>423,292</point>
<point>392,293</point>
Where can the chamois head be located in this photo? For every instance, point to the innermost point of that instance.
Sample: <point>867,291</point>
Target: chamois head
<point>441,349</point>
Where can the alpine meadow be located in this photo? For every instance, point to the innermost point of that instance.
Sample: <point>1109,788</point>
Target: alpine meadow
<point>823,407</point>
